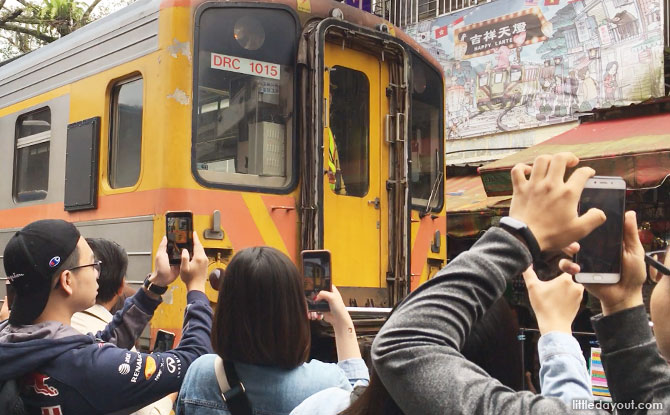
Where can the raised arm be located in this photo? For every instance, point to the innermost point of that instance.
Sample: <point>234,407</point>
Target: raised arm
<point>563,372</point>
<point>635,370</point>
<point>417,351</point>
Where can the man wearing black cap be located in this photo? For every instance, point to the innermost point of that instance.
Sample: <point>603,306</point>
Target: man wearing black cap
<point>62,372</point>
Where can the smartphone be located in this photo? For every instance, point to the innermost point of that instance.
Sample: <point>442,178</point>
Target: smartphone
<point>600,252</point>
<point>317,277</point>
<point>179,231</point>
<point>164,341</point>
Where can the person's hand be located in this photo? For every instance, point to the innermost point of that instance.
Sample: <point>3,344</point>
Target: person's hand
<point>548,205</point>
<point>163,274</point>
<point>338,316</point>
<point>627,293</point>
<point>555,302</point>
<point>194,272</point>
<point>4,311</point>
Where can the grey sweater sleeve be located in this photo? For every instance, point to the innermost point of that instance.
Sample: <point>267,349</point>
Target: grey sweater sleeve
<point>416,353</point>
<point>636,372</point>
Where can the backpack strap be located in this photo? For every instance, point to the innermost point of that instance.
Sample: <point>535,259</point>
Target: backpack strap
<point>10,399</point>
<point>235,397</point>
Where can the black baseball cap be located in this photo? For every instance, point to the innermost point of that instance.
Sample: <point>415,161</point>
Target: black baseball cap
<point>31,257</point>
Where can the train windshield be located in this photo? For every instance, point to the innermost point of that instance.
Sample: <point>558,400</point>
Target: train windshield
<point>243,110</point>
<point>426,137</point>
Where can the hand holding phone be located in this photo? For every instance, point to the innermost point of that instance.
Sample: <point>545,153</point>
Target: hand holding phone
<point>164,341</point>
<point>627,293</point>
<point>317,277</point>
<point>179,232</point>
<point>600,254</point>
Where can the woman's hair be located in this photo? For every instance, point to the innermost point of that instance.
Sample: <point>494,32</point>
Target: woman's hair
<point>494,346</point>
<point>261,314</point>
<point>375,400</point>
<point>114,266</point>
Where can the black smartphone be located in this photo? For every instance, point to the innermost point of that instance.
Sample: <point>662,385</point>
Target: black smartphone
<point>164,341</point>
<point>179,231</point>
<point>317,277</point>
<point>600,252</point>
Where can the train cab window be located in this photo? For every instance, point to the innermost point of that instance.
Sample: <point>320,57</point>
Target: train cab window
<point>349,119</point>
<point>31,158</point>
<point>243,134</point>
<point>125,136</point>
<point>426,136</point>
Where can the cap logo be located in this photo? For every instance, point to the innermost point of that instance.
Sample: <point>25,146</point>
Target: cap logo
<point>14,276</point>
<point>54,262</point>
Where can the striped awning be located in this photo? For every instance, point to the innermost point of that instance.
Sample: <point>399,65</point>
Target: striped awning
<point>469,210</point>
<point>637,149</point>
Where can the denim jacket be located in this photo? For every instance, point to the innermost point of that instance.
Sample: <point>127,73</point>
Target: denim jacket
<point>271,390</point>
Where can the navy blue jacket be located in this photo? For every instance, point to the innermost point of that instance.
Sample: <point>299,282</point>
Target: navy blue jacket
<point>63,372</point>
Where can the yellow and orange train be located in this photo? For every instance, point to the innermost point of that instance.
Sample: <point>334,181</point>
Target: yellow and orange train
<point>232,110</point>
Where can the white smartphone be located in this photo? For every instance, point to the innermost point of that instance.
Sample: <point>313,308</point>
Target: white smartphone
<point>599,256</point>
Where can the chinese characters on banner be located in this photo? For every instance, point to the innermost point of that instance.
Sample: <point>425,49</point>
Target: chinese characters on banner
<point>517,64</point>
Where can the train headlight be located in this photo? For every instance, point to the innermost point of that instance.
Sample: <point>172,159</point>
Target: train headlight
<point>249,33</point>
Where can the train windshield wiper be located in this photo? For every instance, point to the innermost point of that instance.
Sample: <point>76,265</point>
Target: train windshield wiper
<point>436,184</point>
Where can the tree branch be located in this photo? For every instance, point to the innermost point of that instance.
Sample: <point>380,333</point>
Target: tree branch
<point>84,17</point>
<point>11,16</point>
<point>30,32</point>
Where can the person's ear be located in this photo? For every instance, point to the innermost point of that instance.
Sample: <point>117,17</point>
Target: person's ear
<point>65,281</point>
<point>119,292</point>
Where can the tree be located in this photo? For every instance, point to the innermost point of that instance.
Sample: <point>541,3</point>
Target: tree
<point>26,25</point>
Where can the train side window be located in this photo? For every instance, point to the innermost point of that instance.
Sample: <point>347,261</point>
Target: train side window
<point>349,121</point>
<point>31,157</point>
<point>125,135</point>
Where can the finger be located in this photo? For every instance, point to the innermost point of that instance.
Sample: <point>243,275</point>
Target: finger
<point>184,260</point>
<point>324,295</point>
<point>540,167</point>
<point>162,246</point>
<point>568,266</point>
<point>571,249</point>
<point>334,289</point>
<point>631,237</point>
<point>519,173</point>
<point>578,178</point>
<point>530,277</point>
<point>197,245</point>
<point>559,163</point>
<point>589,221</point>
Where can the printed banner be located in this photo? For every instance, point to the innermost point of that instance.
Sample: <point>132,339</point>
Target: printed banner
<point>598,380</point>
<point>517,64</point>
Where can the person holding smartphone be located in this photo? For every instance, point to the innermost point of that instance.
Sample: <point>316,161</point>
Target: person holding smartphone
<point>417,352</point>
<point>261,328</point>
<point>54,272</point>
<point>111,283</point>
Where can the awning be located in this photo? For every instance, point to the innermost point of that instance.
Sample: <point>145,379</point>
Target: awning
<point>637,149</point>
<point>469,210</point>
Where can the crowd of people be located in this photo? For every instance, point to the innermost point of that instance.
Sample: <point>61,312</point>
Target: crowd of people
<point>251,355</point>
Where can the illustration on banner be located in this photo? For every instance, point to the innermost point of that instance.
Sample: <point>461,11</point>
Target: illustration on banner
<point>516,64</point>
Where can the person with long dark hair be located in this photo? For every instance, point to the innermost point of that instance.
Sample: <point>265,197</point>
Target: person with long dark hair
<point>261,326</point>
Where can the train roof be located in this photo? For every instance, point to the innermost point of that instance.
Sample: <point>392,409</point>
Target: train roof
<point>127,34</point>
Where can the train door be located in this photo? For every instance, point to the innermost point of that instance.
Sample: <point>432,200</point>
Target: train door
<point>354,158</point>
